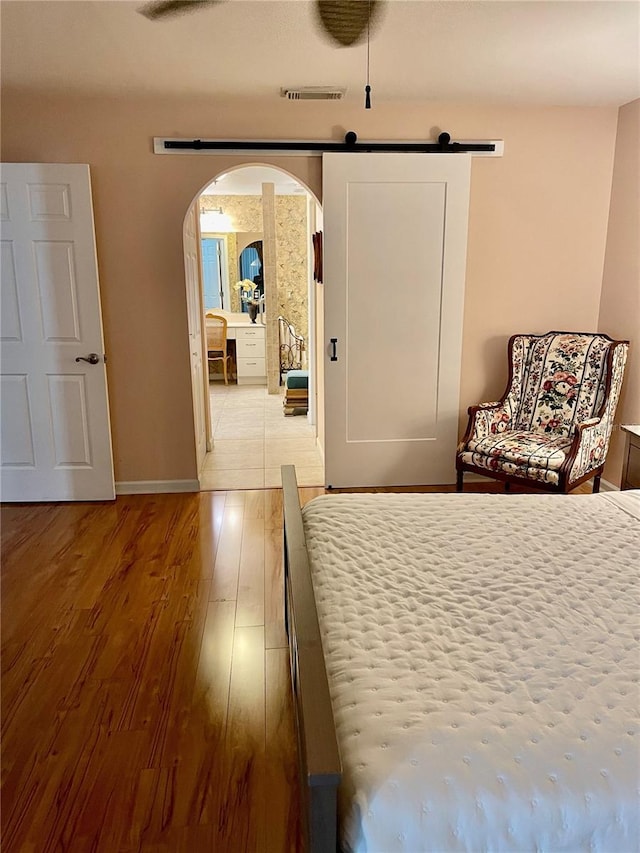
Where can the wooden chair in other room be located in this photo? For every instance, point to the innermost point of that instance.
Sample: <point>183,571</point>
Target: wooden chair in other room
<point>217,341</point>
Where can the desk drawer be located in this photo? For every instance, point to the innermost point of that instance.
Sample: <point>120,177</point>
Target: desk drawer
<point>251,333</point>
<point>251,367</point>
<point>632,478</point>
<point>250,348</point>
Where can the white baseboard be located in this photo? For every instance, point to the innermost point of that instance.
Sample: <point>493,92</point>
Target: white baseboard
<point>156,487</point>
<point>606,486</point>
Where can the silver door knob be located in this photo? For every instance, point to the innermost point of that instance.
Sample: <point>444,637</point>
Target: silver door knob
<point>92,358</point>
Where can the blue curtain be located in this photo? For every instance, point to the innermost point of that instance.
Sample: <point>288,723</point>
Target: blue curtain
<point>250,265</point>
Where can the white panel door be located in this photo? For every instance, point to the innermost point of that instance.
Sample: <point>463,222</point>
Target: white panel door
<point>195,313</point>
<point>395,241</point>
<point>55,433</point>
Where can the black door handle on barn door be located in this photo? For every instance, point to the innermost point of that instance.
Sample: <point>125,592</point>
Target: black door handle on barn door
<point>334,349</point>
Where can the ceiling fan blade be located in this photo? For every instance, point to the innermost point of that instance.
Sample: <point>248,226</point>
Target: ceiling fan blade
<point>345,21</point>
<point>171,8</point>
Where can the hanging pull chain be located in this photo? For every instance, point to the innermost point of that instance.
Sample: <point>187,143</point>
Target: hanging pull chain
<point>367,88</point>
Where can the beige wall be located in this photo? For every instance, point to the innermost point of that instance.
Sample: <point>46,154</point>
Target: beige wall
<point>538,224</point>
<point>620,300</point>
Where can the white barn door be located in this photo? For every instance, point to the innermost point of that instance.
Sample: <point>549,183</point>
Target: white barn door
<point>55,434</point>
<point>395,242</point>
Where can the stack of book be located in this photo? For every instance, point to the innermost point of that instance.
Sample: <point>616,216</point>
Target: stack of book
<point>296,401</point>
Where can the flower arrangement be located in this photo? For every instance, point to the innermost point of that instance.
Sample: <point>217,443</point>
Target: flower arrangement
<point>245,287</point>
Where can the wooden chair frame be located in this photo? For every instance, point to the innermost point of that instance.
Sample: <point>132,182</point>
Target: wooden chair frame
<point>563,486</point>
<point>224,356</point>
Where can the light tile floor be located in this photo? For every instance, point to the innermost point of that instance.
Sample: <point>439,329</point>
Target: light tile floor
<point>252,438</point>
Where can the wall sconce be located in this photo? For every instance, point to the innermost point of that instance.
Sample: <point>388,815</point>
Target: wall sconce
<point>215,221</point>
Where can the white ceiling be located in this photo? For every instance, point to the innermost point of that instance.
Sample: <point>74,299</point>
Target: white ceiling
<point>249,179</point>
<point>582,52</point>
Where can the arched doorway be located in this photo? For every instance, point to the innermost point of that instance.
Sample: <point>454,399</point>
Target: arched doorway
<point>248,434</point>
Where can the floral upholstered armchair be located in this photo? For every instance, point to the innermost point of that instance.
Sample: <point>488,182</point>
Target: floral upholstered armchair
<point>552,426</point>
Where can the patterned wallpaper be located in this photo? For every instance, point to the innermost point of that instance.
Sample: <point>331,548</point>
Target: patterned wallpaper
<point>245,213</point>
<point>232,263</point>
<point>291,260</point>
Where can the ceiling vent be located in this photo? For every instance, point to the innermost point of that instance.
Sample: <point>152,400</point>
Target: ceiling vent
<point>313,93</point>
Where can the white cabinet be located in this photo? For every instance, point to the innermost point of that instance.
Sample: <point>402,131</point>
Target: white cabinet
<point>250,355</point>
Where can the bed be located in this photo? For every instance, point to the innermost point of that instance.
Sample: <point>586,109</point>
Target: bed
<point>465,670</point>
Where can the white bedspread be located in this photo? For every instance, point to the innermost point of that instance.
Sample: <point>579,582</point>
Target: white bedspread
<point>483,660</point>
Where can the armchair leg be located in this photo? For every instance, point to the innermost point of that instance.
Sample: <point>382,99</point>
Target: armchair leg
<point>596,483</point>
<point>459,481</point>
<point>507,486</point>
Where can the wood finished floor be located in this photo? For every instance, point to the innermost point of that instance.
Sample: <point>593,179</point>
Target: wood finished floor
<point>146,703</point>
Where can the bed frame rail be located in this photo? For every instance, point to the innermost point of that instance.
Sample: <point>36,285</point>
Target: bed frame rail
<point>317,745</point>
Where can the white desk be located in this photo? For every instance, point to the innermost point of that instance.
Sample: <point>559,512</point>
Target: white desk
<point>251,363</point>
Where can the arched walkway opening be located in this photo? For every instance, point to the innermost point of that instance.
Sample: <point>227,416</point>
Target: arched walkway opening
<point>249,260</point>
